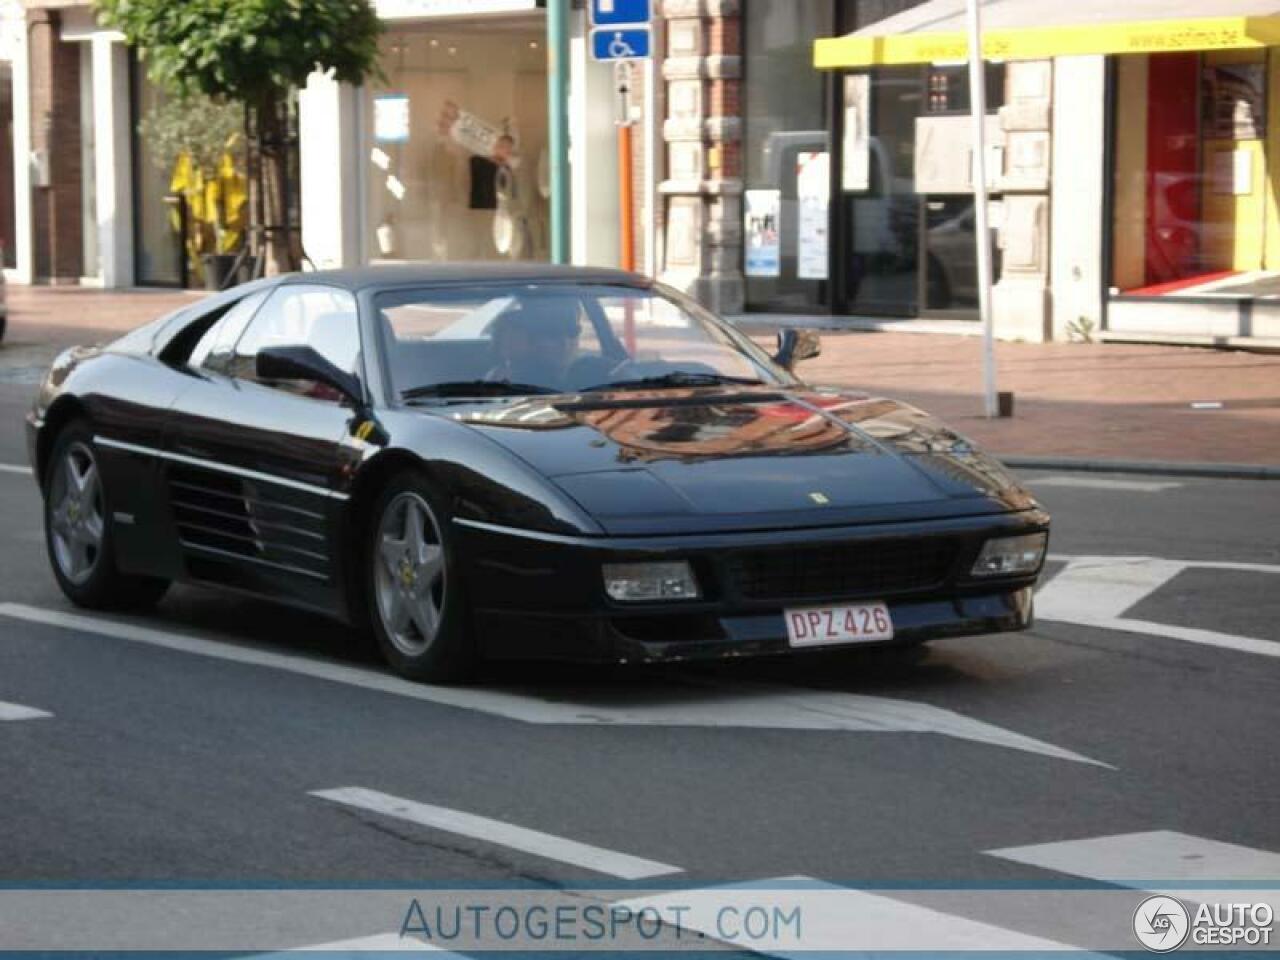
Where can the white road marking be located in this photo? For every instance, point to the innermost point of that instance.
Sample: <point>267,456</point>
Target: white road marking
<point>1144,861</point>
<point>15,468</point>
<point>835,919</point>
<point>1205,638</point>
<point>545,845</point>
<point>1200,564</point>
<point>16,711</point>
<point>761,707</point>
<point>1106,483</point>
<point>1098,591</point>
<point>378,943</point>
<point>1093,589</point>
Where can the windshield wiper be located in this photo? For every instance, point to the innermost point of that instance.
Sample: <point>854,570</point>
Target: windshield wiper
<point>476,388</point>
<point>677,379</point>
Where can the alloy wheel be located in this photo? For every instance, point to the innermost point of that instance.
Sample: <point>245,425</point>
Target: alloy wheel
<point>410,574</point>
<point>76,514</point>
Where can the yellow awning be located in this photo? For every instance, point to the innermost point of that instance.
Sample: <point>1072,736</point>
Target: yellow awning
<point>866,49</point>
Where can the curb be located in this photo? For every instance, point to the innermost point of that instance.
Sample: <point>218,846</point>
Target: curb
<point>1159,468</point>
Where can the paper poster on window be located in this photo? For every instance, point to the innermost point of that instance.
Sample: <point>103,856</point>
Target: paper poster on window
<point>813,190</point>
<point>763,221</point>
<point>391,118</point>
<point>855,174</point>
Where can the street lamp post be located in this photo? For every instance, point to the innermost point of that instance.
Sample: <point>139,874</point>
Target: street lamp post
<point>981,214</point>
<point>558,121</point>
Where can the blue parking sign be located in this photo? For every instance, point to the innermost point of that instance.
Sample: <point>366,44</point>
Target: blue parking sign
<point>633,43</point>
<point>610,13</point>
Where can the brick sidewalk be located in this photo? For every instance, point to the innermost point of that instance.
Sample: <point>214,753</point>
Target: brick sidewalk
<point>1091,401</point>
<point>1114,401</point>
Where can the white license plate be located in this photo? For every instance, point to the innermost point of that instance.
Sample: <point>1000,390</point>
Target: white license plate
<point>823,626</point>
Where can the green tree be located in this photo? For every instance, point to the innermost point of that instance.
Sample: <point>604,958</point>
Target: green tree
<point>257,53</point>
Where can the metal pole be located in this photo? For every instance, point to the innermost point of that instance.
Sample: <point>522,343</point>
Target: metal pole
<point>558,121</point>
<point>622,74</point>
<point>626,171</point>
<point>978,102</point>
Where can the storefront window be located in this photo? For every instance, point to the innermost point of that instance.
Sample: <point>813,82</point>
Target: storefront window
<point>190,187</point>
<point>457,164</point>
<point>880,207</point>
<point>158,242</point>
<point>787,155</point>
<point>1193,165</point>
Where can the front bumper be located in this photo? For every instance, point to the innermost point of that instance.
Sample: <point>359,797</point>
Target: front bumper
<point>541,596</point>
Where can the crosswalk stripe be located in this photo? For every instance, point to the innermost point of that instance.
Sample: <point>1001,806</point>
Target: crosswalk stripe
<point>1106,483</point>
<point>378,943</point>
<point>1097,592</point>
<point>834,919</point>
<point>16,711</point>
<point>500,832</point>
<point>1101,588</point>
<point>1140,860</point>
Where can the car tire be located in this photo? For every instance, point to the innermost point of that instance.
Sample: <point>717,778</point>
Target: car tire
<point>414,593</point>
<point>78,532</point>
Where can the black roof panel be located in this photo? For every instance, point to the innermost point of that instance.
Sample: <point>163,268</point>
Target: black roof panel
<point>401,274</point>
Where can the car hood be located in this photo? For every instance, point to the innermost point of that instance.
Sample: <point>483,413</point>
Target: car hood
<point>711,459</point>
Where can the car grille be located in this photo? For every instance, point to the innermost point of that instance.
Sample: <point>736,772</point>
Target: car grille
<point>871,568</point>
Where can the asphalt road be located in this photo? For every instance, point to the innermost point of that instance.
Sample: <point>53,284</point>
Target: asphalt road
<point>188,745</point>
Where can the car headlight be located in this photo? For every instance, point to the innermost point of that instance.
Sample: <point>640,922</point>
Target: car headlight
<point>636,582</point>
<point>1011,556</point>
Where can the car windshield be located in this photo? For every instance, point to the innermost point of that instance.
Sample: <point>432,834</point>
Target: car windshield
<point>502,340</point>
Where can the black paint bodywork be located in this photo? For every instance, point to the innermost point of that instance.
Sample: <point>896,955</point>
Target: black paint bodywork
<point>779,496</point>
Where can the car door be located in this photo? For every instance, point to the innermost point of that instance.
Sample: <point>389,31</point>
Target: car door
<point>254,468</point>
<point>130,416</point>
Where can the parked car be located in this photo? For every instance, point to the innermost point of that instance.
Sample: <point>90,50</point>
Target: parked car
<point>602,471</point>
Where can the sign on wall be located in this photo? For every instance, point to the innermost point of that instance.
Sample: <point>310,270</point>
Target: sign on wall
<point>632,44</point>
<point>608,13</point>
<point>763,223</point>
<point>621,29</point>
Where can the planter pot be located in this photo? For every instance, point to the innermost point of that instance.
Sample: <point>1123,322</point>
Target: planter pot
<point>217,268</point>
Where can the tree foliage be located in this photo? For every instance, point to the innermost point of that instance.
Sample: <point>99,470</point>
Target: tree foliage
<point>198,126</point>
<point>252,51</point>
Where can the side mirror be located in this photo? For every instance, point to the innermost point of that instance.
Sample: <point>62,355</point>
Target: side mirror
<point>795,346</point>
<point>304,363</point>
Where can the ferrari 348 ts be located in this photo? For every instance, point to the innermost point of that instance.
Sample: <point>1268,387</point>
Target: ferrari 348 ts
<point>519,461</point>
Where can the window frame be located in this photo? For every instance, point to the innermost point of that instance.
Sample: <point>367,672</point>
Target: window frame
<point>206,363</point>
<point>361,363</point>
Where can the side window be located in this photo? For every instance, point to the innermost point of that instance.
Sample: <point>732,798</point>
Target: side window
<point>311,315</point>
<point>214,349</point>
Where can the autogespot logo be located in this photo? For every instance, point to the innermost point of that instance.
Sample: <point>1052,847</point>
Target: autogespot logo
<point>1161,924</point>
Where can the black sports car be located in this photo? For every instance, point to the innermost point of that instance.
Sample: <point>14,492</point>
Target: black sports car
<point>519,461</point>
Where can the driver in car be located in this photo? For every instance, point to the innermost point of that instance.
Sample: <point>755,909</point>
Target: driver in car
<point>536,343</point>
